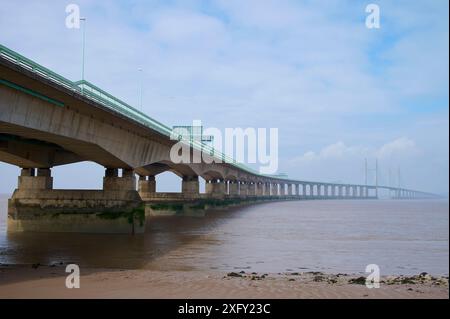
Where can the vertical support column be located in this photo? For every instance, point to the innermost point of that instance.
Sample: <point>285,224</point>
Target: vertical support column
<point>215,187</point>
<point>282,189</point>
<point>208,186</point>
<point>31,179</point>
<point>233,188</point>
<point>243,189</point>
<point>259,189</point>
<point>289,189</point>
<point>274,189</point>
<point>190,185</point>
<point>266,189</point>
<point>112,181</point>
<point>252,189</point>
<point>146,185</point>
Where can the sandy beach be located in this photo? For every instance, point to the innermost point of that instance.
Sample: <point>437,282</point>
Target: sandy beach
<point>35,281</point>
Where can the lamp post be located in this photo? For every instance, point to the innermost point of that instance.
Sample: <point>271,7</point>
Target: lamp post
<point>84,40</point>
<point>140,89</point>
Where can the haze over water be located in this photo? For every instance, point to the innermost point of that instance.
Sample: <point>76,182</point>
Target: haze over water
<point>402,237</point>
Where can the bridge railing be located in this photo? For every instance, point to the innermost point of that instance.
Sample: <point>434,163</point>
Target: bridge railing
<point>94,92</point>
<point>90,90</point>
<point>30,65</point>
<point>104,98</point>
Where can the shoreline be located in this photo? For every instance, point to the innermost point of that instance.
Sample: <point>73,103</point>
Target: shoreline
<point>43,281</point>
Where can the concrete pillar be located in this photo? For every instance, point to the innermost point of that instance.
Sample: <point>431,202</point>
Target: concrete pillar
<point>147,184</point>
<point>243,188</point>
<point>233,188</point>
<point>208,186</point>
<point>222,187</point>
<point>289,190</point>
<point>266,189</point>
<point>111,181</point>
<point>274,189</point>
<point>254,189</point>
<point>282,189</point>
<point>42,180</point>
<point>190,185</point>
<point>259,189</point>
<point>215,187</point>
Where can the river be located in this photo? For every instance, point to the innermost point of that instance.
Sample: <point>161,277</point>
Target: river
<point>401,237</point>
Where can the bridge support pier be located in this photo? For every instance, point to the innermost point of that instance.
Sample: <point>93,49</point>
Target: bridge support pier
<point>233,188</point>
<point>146,186</point>
<point>35,206</point>
<point>243,189</point>
<point>216,188</point>
<point>31,178</point>
<point>252,189</point>
<point>282,189</point>
<point>259,189</point>
<point>266,189</point>
<point>190,185</point>
<point>289,190</point>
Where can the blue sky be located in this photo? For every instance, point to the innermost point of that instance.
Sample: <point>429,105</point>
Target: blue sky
<point>337,91</point>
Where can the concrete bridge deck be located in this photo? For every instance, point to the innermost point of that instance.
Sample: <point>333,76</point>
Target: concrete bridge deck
<point>47,120</point>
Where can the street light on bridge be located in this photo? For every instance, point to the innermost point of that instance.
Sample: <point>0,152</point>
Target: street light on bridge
<point>83,49</point>
<point>140,89</point>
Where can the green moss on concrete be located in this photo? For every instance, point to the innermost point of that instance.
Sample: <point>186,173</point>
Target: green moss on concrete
<point>197,206</point>
<point>167,206</point>
<point>137,213</point>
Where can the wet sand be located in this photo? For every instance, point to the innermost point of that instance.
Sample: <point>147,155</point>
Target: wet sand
<point>49,282</point>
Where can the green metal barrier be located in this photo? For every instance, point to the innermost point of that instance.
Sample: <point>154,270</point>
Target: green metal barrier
<point>96,94</point>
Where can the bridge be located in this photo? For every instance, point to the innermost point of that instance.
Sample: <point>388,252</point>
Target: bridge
<point>47,120</point>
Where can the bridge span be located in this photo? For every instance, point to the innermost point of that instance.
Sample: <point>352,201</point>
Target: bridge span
<point>47,120</point>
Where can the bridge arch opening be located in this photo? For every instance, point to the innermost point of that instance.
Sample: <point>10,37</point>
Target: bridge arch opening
<point>68,176</point>
<point>168,182</point>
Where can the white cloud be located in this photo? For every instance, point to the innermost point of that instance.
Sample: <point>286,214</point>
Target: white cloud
<point>400,147</point>
<point>188,29</point>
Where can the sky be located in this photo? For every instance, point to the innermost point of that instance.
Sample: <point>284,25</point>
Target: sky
<point>337,91</point>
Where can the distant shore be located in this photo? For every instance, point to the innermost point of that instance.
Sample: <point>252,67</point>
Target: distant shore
<point>36,281</point>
